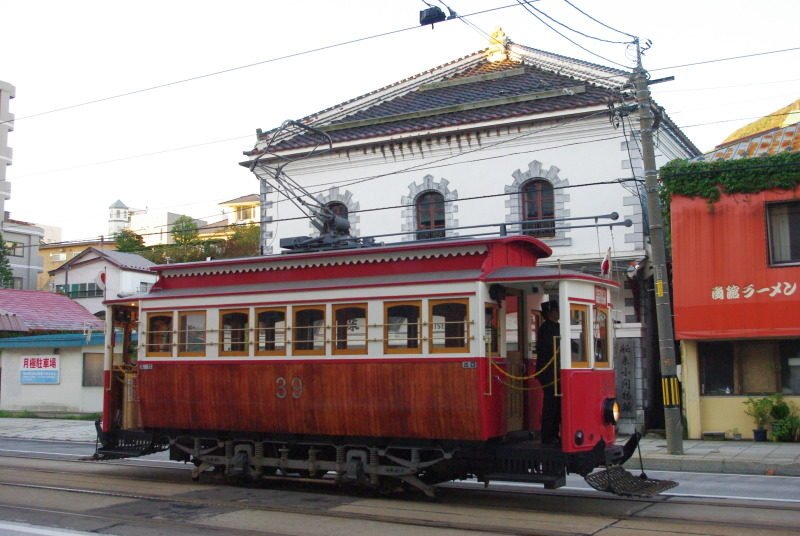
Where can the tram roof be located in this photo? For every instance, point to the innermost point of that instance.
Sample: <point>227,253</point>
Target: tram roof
<point>539,248</point>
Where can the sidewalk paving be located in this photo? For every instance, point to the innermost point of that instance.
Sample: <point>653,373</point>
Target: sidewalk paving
<point>736,457</point>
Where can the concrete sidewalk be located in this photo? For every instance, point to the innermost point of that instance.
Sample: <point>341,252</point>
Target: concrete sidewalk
<point>739,457</point>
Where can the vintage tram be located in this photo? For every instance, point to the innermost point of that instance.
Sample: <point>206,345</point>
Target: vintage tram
<point>391,365</point>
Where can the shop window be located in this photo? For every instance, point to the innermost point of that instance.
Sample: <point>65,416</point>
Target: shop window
<point>234,331</point>
<point>449,326</point>
<point>159,334</point>
<point>430,215</point>
<point>538,208</point>
<point>401,332</point>
<point>192,333</point>
<point>601,342</point>
<point>271,331</point>
<point>784,232</point>
<point>92,370</point>
<point>579,335</point>
<point>309,330</point>
<point>716,368</point>
<point>790,367</point>
<point>350,329</point>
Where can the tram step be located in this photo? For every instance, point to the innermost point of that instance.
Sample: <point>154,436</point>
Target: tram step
<point>619,481</point>
<point>110,454</point>
<point>549,481</point>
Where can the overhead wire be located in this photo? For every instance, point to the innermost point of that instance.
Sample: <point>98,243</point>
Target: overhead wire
<point>241,67</point>
<point>530,9</point>
<point>597,21</point>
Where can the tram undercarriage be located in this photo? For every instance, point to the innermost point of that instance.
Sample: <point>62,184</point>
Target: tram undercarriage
<point>388,467</point>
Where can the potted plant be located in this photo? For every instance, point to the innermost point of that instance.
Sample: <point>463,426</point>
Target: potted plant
<point>759,409</point>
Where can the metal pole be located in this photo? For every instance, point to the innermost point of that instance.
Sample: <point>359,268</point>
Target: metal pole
<point>263,233</point>
<point>666,343</point>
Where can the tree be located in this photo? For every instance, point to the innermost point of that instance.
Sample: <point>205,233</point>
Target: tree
<point>6,275</point>
<point>184,231</point>
<point>244,242</point>
<point>129,241</point>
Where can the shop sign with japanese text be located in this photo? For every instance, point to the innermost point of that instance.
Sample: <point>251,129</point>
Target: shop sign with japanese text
<point>40,369</point>
<point>745,292</point>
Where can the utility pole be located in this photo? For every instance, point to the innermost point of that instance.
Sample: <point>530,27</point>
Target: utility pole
<point>666,343</point>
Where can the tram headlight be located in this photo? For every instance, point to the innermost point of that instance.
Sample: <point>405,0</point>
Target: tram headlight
<point>610,411</point>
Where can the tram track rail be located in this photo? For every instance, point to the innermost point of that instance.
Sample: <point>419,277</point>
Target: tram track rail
<point>524,500</point>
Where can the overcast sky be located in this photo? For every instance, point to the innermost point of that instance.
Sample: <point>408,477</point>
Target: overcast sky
<point>70,165</point>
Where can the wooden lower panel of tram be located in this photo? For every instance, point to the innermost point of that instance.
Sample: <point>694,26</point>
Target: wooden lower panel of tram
<point>411,399</point>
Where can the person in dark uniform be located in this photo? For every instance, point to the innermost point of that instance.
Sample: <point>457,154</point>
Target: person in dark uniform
<point>545,350</point>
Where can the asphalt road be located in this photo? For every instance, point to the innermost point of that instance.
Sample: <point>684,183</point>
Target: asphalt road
<point>705,485</point>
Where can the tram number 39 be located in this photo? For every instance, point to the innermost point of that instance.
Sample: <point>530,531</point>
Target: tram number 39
<point>284,387</point>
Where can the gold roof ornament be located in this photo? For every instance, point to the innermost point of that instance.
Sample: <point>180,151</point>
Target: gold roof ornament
<point>498,46</point>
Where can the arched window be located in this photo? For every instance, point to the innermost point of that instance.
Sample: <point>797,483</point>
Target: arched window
<point>340,209</point>
<point>538,208</point>
<point>430,215</point>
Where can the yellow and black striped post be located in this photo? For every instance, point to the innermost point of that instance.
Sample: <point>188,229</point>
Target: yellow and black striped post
<point>671,391</point>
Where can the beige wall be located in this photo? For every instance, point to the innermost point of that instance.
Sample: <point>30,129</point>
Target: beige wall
<point>713,413</point>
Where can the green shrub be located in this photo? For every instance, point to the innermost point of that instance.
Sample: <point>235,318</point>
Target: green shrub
<point>786,429</point>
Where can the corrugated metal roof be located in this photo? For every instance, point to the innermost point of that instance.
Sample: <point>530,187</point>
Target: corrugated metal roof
<point>11,322</point>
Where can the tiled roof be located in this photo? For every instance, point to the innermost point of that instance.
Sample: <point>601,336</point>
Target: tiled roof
<point>467,91</point>
<point>780,140</point>
<point>47,311</point>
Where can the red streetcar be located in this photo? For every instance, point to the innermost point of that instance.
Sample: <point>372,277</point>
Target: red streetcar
<point>408,364</point>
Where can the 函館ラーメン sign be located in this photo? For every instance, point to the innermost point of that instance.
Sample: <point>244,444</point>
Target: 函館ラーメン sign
<point>44,370</point>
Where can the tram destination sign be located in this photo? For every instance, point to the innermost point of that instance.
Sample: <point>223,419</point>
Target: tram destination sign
<point>40,370</point>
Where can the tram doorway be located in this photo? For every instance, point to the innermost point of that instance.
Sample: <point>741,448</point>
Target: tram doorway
<point>516,345</point>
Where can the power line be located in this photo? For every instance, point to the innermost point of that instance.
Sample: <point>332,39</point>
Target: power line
<point>729,58</point>
<point>241,67</point>
<point>597,21</point>
<point>607,182</point>
<point>710,88</point>
<point>578,31</point>
<point>530,9</point>
<point>134,157</point>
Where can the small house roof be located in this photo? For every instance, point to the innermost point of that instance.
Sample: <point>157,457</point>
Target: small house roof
<point>47,311</point>
<point>118,204</point>
<point>122,260</point>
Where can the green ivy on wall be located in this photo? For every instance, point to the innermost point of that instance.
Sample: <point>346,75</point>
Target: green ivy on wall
<point>709,180</point>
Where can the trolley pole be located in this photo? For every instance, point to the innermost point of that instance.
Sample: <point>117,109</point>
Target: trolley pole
<point>666,343</point>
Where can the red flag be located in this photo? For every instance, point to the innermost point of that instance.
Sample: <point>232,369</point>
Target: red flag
<point>605,265</point>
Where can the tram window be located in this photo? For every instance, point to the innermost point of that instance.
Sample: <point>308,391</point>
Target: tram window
<point>601,327</point>
<point>192,333</point>
<point>159,334</point>
<point>492,333</point>
<point>449,326</point>
<point>309,330</point>
<point>401,332</point>
<point>271,331</point>
<point>350,329</point>
<point>233,332</point>
<point>579,334</point>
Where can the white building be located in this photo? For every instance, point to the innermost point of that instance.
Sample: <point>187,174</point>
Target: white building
<point>58,373</point>
<point>508,135</point>
<point>153,225</point>
<point>6,125</point>
<point>94,275</point>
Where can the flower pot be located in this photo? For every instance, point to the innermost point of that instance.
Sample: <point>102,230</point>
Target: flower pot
<point>760,434</point>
